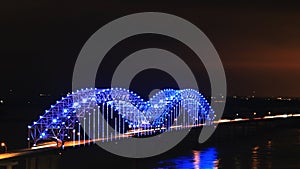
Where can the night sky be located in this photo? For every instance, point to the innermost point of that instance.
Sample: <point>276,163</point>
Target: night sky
<point>258,44</point>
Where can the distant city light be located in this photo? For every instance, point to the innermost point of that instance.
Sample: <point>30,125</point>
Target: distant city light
<point>44,94</point>
<point>4,145</point>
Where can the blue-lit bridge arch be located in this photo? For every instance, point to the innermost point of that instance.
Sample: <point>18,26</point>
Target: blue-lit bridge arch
<point>89,113</point>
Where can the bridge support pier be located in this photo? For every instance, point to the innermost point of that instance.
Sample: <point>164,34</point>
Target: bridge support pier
<point>43,161</point>
<point>9,165</point>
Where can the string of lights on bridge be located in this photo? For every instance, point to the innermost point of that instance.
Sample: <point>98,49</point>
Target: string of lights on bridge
<point>107,114</point>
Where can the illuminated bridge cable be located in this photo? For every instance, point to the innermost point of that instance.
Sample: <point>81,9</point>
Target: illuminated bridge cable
<point>123,111</point>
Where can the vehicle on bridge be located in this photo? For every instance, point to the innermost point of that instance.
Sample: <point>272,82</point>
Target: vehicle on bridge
<point>52,142</point>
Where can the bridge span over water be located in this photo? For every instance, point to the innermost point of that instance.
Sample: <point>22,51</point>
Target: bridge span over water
<point>105,115</point>
<point>116,113</point>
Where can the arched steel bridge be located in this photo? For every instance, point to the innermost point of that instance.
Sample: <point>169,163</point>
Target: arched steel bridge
<point>107,114</point>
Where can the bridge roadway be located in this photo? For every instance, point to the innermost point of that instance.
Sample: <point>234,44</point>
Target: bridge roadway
<point>9,156</point>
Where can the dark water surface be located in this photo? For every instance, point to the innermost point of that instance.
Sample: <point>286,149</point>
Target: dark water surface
<point>277,147</point>
<point>247,145</point>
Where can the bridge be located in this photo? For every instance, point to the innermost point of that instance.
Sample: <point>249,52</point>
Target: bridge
<point>90,115</point>
<point>104,115</point>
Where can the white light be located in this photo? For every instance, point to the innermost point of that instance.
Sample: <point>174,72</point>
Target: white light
<point>75,104</point>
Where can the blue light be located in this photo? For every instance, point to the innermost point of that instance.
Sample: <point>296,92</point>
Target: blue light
<point>75,104</point>
<point>43,134</point>
<point>29,127</point>
<point>131,104</point>
<point>206,159</point>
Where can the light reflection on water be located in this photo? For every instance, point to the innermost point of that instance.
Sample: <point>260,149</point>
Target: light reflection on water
<point>255,161</point>
<point>204,159</point>
<point>279,149</point>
